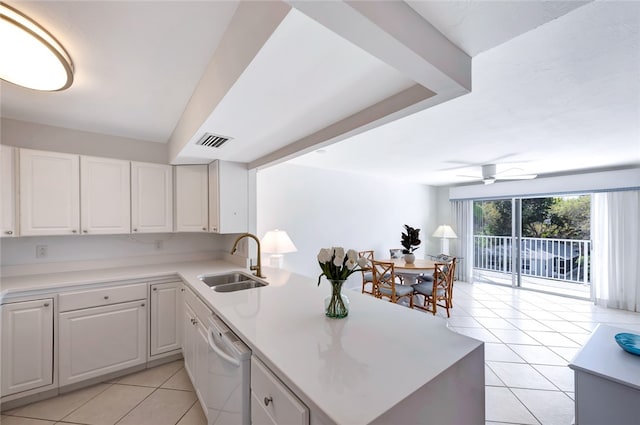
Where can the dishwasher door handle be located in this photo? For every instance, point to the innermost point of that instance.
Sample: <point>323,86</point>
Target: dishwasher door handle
<point>219,351</point>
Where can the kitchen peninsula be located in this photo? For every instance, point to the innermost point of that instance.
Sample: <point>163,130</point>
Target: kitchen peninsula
<point>384,363</point>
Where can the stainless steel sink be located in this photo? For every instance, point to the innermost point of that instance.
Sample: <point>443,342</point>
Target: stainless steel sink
<point>230,282</point>
<point>239,286</point>
<point>224,279</point>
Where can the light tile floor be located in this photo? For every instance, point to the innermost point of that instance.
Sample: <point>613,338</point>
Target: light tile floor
<point>529,339</point>
<point>162,395</point>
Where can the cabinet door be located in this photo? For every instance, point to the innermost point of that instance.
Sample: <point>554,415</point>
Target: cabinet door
<point>8,194</point>
<point>151,198</point>
<point>49,193</point>
<point>27,345</point>
<point>192,198</point>
<point>214,198</point>
<point>228,197</point>
<point>166,317</point>
<point>105,196</point>
<point>188,341</point>
<point>100,340</point>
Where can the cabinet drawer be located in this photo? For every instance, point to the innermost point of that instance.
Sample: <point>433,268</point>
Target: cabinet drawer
<point>102,296</point>
<point>271,396</point>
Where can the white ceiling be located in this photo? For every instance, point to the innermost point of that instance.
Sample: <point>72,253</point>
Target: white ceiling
<point>555,84</point>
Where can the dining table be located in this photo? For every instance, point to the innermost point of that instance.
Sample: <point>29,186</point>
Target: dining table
<point>409,271</point>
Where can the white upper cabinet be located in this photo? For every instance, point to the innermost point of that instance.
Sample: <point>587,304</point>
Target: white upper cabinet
<point>49,193</point>
<point>8,188</point>
<point>228,197</point>
<point>105,196</point>
<point>151,198</point>
<point>192,198</point>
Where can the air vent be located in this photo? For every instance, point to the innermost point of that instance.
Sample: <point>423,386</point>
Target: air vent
<point>212,140</point>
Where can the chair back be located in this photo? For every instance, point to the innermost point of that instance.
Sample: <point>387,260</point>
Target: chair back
<point>368,255</point>
<point>384,277</point>
<point>395,253</point>
<point>443,277</point>
<point>367,277</point>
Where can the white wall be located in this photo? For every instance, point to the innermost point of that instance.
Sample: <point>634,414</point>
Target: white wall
<point>321,208</point>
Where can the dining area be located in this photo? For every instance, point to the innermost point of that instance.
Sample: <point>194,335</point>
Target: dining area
<point>424,284</point>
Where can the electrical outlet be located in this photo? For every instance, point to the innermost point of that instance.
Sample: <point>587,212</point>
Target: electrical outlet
<point>158,244</point>
<point>41,251</point>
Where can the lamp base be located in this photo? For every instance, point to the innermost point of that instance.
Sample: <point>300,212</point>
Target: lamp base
<point>444,246</point>
<point>276,260</point>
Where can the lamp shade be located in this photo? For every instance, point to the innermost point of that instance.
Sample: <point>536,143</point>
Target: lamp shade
<point>277,242</point>
<point>444,231</point>
<point>29,55</point>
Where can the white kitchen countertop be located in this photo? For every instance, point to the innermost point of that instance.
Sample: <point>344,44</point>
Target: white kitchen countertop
<point>602,356</point>
<point>353,369</point>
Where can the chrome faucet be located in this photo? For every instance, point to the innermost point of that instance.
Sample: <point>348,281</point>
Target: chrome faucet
<point>257,268</point>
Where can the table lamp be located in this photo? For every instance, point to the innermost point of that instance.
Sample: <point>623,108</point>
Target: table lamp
<point>444,232</point>
<point>277,242</point>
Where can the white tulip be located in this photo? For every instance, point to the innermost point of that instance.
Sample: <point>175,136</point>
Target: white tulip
<point>352,254</point>
<point>324,256</point>
<point>351,264</point>
<point>363,262</point>
<point>339,252</point>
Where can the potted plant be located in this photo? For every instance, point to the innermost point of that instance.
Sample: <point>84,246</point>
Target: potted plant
<point>410,242</point>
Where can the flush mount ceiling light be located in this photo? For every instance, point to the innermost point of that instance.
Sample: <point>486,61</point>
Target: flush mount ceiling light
<point>29,55</point>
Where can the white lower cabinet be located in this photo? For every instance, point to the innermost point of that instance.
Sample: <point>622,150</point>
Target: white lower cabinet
<point>272,402</point>
<point>99,340</point>
<point>166,318</point>
<point>27,345</point>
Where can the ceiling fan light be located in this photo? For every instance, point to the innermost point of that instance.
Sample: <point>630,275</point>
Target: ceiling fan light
<point>489,180</point>
<point>29,56</point>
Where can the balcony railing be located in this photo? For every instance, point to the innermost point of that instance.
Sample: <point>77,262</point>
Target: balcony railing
<point>566,260</point>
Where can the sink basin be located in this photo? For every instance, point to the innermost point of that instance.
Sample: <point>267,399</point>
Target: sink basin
<point>230,282</point>
<point>238,286</point>
<point>224,279</point>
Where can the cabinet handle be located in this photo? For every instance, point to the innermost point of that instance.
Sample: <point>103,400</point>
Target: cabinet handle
<point>181,289</point>
<point>74,231</point>
<point>155,289</point>
<point>268,400</point>
<point>9,232</point>
<point>142,305</point>
<point>135,230</point>
<point>85,231</point>
<point>204,228</point>
<point>106,297</point>
<point>46,304</point>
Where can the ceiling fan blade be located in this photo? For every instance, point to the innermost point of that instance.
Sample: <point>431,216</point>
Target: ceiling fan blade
<point>469,177</point>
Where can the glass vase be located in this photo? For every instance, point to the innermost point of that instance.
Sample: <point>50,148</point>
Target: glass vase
<point>336,306</point>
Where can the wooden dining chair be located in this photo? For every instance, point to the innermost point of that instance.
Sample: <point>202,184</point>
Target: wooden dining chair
<point>386,283</point>
<point>367,274</point>
<point>438,292</point>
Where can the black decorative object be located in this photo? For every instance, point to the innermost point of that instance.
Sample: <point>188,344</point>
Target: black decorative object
<point>410,240</point>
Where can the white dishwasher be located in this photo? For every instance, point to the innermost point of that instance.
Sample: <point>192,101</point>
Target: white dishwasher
<point>229,377</point>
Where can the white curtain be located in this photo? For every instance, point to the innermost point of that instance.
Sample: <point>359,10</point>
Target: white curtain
<point>462,213</point>
<point>615,231</point>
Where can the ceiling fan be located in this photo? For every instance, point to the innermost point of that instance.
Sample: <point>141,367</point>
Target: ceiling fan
<point>489,174</point>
